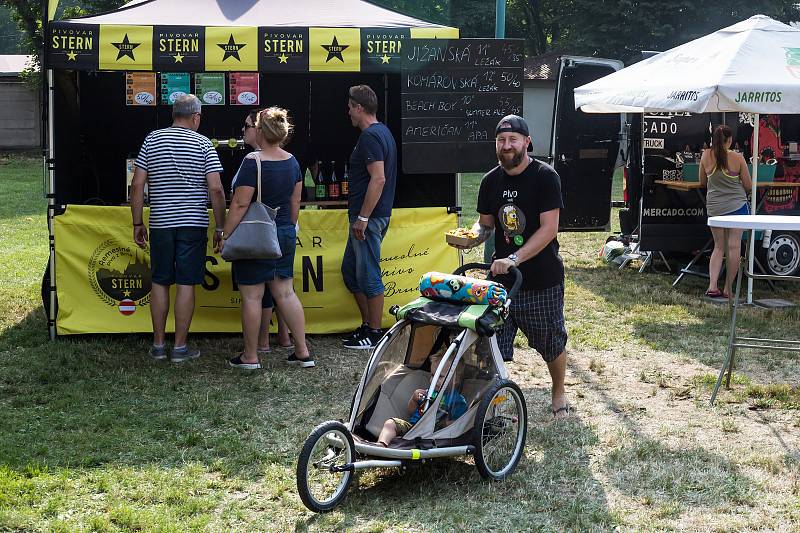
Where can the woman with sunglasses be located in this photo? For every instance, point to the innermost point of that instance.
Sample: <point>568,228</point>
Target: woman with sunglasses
<point>281,184</point>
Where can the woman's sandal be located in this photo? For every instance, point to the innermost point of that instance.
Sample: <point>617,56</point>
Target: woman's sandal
<point>715,293</point>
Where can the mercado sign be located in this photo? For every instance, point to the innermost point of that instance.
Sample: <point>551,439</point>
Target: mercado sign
<point>103,279</point>
<point>234,48</point>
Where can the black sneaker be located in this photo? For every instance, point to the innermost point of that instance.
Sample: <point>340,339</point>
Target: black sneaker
<point>237,362</point>
<point>365,341</point>
<point>305,363</point>
<point>355,333</point>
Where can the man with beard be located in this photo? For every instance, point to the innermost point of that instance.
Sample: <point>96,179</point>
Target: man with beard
<point>520,201</point>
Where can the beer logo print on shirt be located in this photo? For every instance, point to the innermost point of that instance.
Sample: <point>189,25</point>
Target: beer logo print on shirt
<point>512,220</point>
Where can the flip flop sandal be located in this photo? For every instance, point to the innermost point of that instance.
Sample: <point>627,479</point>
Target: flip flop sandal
<point>715,293</point>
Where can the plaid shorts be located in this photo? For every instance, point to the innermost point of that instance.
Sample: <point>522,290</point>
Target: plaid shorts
<point>539,313</point>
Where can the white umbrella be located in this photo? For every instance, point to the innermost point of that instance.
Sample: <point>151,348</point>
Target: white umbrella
<point>752,67</point>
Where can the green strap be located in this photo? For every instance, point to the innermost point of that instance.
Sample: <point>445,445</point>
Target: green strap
<point>470,316</point>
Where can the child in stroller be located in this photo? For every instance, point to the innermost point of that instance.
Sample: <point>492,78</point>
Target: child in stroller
<point>451,405</point>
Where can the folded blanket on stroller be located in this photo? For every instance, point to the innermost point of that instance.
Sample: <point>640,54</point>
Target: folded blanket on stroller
<point>453,288</point>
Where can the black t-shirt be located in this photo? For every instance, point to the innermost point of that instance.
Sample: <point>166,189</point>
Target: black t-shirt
<point>374,144</point>
<point>516,202</point>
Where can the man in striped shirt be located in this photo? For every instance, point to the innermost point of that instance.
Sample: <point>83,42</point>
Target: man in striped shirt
<point>182,170</point>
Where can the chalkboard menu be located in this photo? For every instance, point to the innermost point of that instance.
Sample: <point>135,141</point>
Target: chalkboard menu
<point>453,93</point>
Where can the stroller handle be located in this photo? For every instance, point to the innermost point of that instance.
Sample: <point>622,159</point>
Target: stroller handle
<point>486,266</point>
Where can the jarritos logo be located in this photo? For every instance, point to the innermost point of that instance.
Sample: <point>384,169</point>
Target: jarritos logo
<point>793,61</point>
<point>120,276</point>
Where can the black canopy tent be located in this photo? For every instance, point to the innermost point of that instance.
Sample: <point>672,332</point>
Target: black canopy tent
<point>307,53</point>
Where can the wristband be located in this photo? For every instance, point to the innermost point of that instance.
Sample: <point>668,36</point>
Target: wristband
<point>139,224</point>
<point>219,230</point>
<point>363,219</point>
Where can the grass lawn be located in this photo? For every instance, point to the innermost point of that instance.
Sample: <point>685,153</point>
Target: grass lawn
<point>95,436</point>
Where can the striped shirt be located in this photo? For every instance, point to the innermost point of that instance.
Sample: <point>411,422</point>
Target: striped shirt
<point>177,161</point>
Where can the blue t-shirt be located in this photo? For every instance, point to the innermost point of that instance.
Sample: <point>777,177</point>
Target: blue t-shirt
<point>374,144</point>
<point>451,406</point>
<point>278,179</point>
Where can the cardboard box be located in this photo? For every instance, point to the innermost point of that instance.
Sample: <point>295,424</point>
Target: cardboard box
<point>460,240</point>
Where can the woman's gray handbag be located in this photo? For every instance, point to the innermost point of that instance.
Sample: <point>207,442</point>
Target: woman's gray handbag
<point>256,236</point>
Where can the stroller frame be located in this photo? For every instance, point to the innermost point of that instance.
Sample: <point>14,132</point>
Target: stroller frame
<point>339,455</point>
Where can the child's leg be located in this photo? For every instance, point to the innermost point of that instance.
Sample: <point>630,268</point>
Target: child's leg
<point>388,432</point>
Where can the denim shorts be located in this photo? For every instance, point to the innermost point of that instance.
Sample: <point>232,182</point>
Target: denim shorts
<point>257,271</point>
<point>361,264</point>
<point>178,255</point>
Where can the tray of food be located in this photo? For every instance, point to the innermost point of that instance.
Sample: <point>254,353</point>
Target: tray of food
<point>462,237</point>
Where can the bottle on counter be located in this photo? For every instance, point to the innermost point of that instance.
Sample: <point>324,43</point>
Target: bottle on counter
<point>344,184</point>
<point>333,183</point>
<point>320,189</point>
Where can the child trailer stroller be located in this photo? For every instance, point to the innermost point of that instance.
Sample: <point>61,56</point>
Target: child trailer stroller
<point>492,420</point>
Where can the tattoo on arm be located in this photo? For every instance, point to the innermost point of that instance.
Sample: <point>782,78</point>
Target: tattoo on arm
<point>484,232</point>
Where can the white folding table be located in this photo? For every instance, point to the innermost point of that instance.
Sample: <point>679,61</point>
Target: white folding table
<point>751,223</point>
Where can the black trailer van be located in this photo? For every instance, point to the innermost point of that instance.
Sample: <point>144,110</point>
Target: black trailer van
<point>668,220</point>
<point>584,148</point>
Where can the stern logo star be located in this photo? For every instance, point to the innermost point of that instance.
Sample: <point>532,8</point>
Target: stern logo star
<point>335,50</point>
<point>282,58</point>
<point>178,58</point>
<point>125,48</point>
<point>385,59</point>
<point>72,56</point>
<point>231,49</point>
<point>126,294</point>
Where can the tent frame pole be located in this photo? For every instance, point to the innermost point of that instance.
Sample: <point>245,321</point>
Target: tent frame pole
<point>753,205</point>
<point>51,202</point>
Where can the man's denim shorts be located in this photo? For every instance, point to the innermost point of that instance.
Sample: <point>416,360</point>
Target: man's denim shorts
<point>257,271</point>
<point>178,255</point>
<point>361,264</point>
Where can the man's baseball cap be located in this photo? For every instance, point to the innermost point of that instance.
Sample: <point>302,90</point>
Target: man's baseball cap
<point>512,124</point>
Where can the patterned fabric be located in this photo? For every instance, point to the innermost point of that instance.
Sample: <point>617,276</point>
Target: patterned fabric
<point>453,288</point>
<point>540,316</point>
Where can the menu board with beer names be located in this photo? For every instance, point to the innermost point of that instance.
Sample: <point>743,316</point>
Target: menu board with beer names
<point>454,92</point>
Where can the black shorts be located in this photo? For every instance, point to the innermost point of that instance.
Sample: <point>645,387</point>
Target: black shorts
<point>539,313</point>
<point>178,255</point>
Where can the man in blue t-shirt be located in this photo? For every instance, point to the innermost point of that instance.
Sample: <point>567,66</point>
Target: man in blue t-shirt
<point>373,175</point>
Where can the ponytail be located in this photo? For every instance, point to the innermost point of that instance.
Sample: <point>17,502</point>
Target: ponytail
<point>721,134</point>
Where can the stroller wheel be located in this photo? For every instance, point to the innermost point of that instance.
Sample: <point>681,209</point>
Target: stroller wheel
<point>500,427</point>
<point>319,482</point>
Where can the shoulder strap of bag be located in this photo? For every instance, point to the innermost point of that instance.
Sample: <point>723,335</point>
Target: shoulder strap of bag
<point>254,156</point>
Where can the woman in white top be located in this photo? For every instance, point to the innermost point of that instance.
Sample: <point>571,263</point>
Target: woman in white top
<point>727,178</point>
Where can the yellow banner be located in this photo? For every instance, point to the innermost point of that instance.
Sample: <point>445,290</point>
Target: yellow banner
<point>126,47</point>
<point>103,278</point>
<point>334,49</point>
<point>434,33</point>
<point>232,48</point>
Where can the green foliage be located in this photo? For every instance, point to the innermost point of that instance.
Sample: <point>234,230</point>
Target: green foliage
<point>607,28</point>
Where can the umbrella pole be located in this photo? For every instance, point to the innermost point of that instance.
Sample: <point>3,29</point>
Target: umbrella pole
<point>754,194</point>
